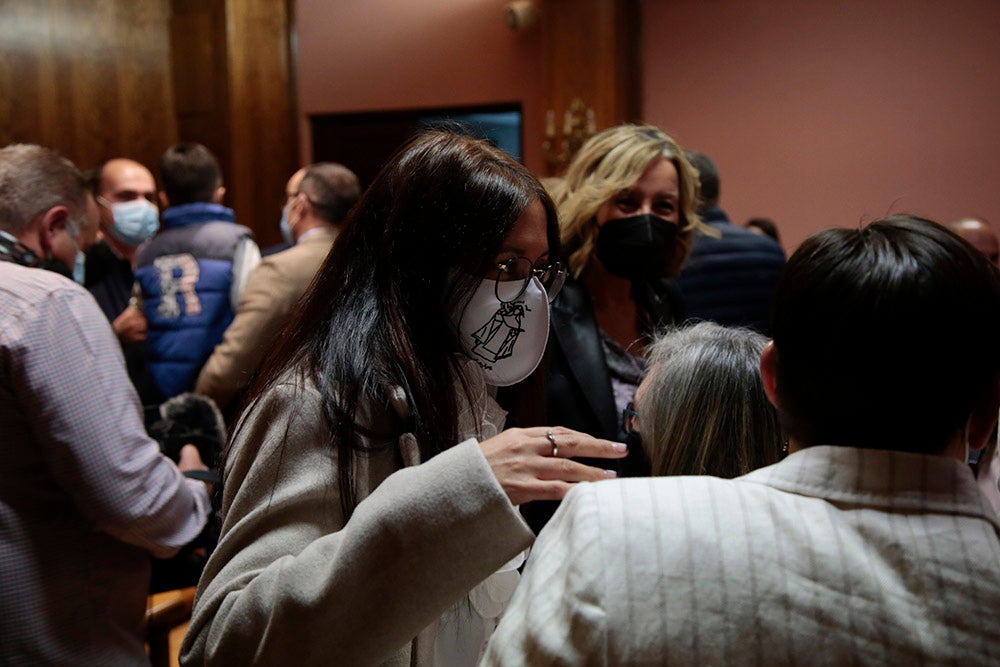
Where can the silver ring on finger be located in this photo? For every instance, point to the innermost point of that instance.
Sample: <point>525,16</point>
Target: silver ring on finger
<point>552,439</point>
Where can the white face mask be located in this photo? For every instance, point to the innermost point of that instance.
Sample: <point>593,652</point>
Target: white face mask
<point>506,338</point>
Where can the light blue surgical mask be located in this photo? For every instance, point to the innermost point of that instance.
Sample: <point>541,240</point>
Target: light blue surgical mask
<point>286,230</point>
<point>79,266</point>
<point>134,221</point>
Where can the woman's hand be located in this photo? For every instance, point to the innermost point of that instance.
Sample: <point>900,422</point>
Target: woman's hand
<point>529,466</point>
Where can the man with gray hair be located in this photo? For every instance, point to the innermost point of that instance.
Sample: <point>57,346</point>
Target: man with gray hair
<point>85,495</point>
<point>46,219</point>
<point>317,199</point>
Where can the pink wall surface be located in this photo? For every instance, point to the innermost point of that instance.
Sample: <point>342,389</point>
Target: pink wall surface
<point>826,114</point>
<point>380,55</point>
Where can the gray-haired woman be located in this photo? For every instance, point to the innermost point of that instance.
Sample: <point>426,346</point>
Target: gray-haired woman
<point>701,410</point>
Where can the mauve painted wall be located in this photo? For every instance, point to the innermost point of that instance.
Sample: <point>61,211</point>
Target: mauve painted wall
<point>819,114</point>
<point>823,114</point>
<point>375,55</point>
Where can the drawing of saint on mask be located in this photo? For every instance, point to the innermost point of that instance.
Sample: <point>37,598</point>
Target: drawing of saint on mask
<point>495,339</point>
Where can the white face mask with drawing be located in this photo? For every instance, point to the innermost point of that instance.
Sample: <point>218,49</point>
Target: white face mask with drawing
<point>506,338</point>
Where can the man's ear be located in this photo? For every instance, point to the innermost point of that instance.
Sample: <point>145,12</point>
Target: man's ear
<point>302,203</point>
<point>767,373</point>
<point>219,196</point>
<point>164,200</point>
<point>52,223</point>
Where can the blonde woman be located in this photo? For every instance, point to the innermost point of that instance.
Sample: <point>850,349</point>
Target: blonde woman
<point>702,410</point>
<point>627,212</point>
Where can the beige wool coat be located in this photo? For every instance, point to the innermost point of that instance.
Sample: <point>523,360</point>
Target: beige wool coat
<point>292,583</point>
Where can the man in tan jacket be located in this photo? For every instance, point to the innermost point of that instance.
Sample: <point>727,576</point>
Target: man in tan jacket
<point>318,198</point>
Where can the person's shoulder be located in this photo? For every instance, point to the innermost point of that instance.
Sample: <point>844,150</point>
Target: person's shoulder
<point>33,301</point>
<point>290,408</point>
<point>290,270</point>
<point>572,298</point>
<point>736,242</point>
<point>309,249</point>
<point>746,238</point>
<point>702,508</point>
<point>647,496</point>
<point>34,285</point>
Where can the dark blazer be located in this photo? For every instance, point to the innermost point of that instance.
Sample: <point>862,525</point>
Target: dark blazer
<point>579,392</point>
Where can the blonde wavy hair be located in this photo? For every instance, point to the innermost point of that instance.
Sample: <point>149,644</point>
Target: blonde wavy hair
<point>609,162</point>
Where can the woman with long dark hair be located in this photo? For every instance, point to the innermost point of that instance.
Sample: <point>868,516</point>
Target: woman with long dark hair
<point>355,530</point>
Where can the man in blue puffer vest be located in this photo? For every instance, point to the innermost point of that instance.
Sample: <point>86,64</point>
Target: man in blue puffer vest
<point>728,280</point>
<point>193,273</point>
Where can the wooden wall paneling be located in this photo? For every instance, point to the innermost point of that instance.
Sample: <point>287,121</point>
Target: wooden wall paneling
<point>24,39</point>
<point>591,51</point>
<point>144,88</point>
<point>86,77</point>
<point>262,116</point>
<point>104,78</point>
<point>200,76</point>
<point>87,65</point>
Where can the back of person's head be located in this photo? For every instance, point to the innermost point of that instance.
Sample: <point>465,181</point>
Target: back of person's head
<point>92,177</point>
<point>414,248</point>
<point>332,190</point>
<point>608,163</point>
<point>189,173</point>
<point>708,177</point>
<point>764,226</point>
<point>34,179</point>
<point>885,336</point>
<point>979,232</point>
<point>702,407</point>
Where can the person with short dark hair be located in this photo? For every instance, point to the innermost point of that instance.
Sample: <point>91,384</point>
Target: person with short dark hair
<point>126,196</point>
<point>869,543</point>
<point>85,495</point>
<point>189,174</point>
<point>763,226</point>
<point>727,278</point>
<point>318,198</point>
<point>193,273</point>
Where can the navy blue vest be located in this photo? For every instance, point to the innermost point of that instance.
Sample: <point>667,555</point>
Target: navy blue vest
<point>186,274</point>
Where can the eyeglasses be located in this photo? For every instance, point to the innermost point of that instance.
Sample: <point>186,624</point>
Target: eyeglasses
<point>514,274</point>
<point>630,418</point>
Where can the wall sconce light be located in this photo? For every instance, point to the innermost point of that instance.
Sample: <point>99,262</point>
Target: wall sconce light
<point>521,15</point>
<point>578,126</point>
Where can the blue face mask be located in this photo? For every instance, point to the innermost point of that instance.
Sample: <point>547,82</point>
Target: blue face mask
<point>134,221</point>
<point>79,266</point>
<point>286,231</point>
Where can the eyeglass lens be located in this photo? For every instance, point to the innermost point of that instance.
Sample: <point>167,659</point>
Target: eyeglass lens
<point>514,275</point>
